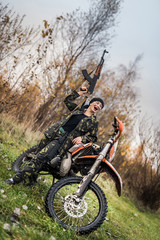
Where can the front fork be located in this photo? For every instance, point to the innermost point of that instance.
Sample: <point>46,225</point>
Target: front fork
<point>94,169</point>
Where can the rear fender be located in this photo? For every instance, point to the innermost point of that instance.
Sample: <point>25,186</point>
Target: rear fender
<point>111,171</point>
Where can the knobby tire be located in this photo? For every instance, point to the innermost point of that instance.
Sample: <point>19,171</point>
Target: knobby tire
<point>17,164</point>
<point>95,202</point>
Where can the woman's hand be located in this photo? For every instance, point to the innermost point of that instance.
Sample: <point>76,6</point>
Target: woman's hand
<point>82,91</point>
<point>77,140</point>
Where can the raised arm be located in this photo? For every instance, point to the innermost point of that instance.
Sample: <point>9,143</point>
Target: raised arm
<point>70,98</point>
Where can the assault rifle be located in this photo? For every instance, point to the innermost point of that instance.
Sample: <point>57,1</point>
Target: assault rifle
<point>92,81</point>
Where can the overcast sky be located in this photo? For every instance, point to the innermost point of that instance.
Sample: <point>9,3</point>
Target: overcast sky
<point>137,32</point>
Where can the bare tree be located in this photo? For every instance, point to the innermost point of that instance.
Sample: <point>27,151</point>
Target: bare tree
<point>13,34</point>
<point>156,153</point>
<point>144,166</point>
<point>76,37</point>
<point>15,42</point>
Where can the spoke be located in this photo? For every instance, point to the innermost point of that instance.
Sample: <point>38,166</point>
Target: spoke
<point>58,204</point>
<point>59,212</point>
<point>73,213</point>
<point>72,221</point>
<point>60,197</point>
<point>81,221</point>
<point>90,219</point>
<point>67,220</point>
<point>77,223</point>
<point>59,200</point>
<point>66,190</point>
<point>64,218</point>
<point>58,207</point>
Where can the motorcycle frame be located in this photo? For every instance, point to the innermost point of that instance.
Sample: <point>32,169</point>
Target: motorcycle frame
<point>102,163</point>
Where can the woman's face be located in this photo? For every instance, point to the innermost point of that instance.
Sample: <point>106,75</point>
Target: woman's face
<point>95,106</point>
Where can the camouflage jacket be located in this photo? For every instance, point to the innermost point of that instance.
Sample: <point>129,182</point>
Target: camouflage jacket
<point>87,128</point>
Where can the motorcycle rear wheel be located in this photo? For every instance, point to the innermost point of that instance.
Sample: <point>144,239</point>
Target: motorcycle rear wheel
<point>83,216</point>
<point>23,159</point>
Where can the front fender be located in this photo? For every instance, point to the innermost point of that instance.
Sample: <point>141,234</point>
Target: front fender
<point>111,171</point>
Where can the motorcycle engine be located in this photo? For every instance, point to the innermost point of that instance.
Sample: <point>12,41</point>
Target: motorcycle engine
<point>84,170</point>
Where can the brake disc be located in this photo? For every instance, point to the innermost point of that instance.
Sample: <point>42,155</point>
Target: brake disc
<point>75,207</point>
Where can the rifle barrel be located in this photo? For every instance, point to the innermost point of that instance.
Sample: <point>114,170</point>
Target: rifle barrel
<point>104,53</point>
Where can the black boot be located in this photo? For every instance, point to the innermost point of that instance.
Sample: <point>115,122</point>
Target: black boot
<point>17,178</point>
<point>9,181</point>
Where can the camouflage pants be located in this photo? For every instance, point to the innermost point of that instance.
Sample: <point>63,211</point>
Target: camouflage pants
<point>47,150</point>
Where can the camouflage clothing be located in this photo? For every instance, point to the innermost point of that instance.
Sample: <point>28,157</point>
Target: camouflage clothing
<point>87,127</point>
<point>49,149</point>
<point>58,142</point>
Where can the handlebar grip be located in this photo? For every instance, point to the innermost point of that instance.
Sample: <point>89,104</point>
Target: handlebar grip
<point>115,121</point>
<point>115,124</point>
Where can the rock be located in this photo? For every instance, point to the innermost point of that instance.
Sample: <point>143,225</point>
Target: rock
<point>7,227</point>
<point>17,211</point>
<point>109,234</point>
<point>2,191</point>
<point>14,218</point>
<point>52,238</point>
<point>24,207</point>
<point>4,196</point>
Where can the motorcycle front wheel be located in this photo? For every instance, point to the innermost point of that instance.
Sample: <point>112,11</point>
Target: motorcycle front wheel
<point>82,215</point>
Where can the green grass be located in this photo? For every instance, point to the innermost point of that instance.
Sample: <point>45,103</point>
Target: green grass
<point>124,220</point>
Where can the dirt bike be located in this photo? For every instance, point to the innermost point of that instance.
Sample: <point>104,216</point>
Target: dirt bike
<point>78,202</point>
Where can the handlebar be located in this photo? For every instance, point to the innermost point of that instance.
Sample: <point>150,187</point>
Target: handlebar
<point>118,126</point>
